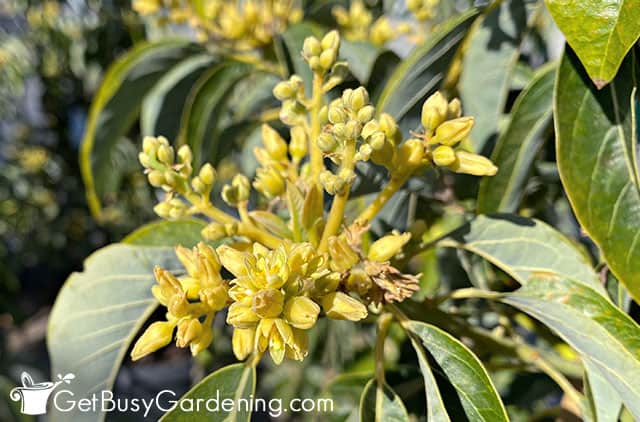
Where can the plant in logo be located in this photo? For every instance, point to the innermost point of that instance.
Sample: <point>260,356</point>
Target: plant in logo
<point>34,396</point>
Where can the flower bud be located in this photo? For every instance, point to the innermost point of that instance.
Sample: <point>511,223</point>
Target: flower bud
<point>198,186</point>
<point>473,164</point>
<point>343,257</point>
<point>202,341</point>
<point>338,305</point>
<point>149,145</point>
<point>358,99</point>
<point>390,128</point>
<point>207,174</point>
<point>352,129</point>
<point>242,316</point>
<point>443,155</point>
<point>369,129</point>
<point>434,112</point>
<point>158,335</point>
<point>214,231</point>
<point>331,41</point>
<point>156,178</point>
<point>328,58</point>
<point>215,297</point>
<point>242,342</point>
<point>184,154</point>
<point>301,312</point>
<point>233,260</point>
<point>162,209</point>
<point>337,114</point>
<point>358,281</point>
<point>311,47</point>
<point>364,152</point>
<point>314,63</point>
<point>453,131</point>
<point>241,183</point>
<point>454,110</point>
<point>178,305</point>
<point>144,160</point>
<point>268,303</point>
<point>326,142</point>
<point>274,144</point>
<point>387,247</point>
<point>298,143</point>
<point>366,113</point>
<point>188,330</point>
<point>377,141</point>
<point>269,182</point>
<point>165,155</point>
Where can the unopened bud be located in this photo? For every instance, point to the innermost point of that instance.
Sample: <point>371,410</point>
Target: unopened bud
<point>377,141</point>
<point>453,131</point>
<point>337,114</point>
<point>326,142</point>
<point>284,91</point>
<point>443,155</point>
<point>198,185</point>
<point>454,109</point>
<point>369,129</point>
<point>268,303</point>
<point>311,47</point>
<point>188,330</point>
<point>301,312</point>
<point>273,142</point>
<point>158,335</point>
<point>366,113</point>
<point>358,99</point>
<point>242,342</point>
<point>214,231</point>
<point>162,209</point>
<point>298,143</point>
<point>184,154</point>
<point>331,41</point>
<point>207,174</point>
<point>328,58</point>
<point>156,178</point>
<point>166,155</point>
<point>473,164</point>
<point>149,145</point>
<point>434,112</point>
<point>411,153</point>
<point>338,305</point>
<point>387,247</point>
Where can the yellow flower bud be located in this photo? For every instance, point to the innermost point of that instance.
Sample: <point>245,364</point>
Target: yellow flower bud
<point>326,284</point>
<point>311,47</point>
<point>198,186</point>
<point>144,160</point>
<point>301,312</point>
<point>473,164</point>
<point>166,155</point>
<point>454,110</point>
<point>207,174</point>
<point>388,246</point>
<point>338,305</point>
<point>352,129</point>
<point>314,63</point>
<point>242,342</point>
<point>434,112</point>
<point>298,144</point>
<point>358,99</point>
<point>162,209</point>
<point>284,91</point>
<point>184,154</point>
<point>453,131</point>
<point>156,178</point>
<point>233,260</point>
<point>370,128</point>
<point>150,145</point>
<point>390,128</point>
<point>188,330</point>
<point>366,113</point>
<point>328,58</point>
<point>377,140</point>
<point>243,188</point>
<point>337,114</point>
<point>444,155</point>
<point>331,41</point>
<point>274,144</point>
<point>269,182</point>
<point>215,298</point>
<point>241,316</point>
<point>158,335</point>
<point>358,281</point>
<point>268,303</point>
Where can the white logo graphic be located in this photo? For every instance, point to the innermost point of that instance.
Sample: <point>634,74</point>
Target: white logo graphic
<point>34,396</point>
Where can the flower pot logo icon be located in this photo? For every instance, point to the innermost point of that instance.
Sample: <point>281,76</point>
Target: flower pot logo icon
<point>34,396</point>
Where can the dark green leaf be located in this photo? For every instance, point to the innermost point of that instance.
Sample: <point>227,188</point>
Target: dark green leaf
<point>361,56</point>
<point>518,145</point>
<point>600,32</point>
<point>596,152</point>
<point>522,247</point>
<point>97,315</point>
<point>607,339</point>
<point>205,108</point>
<point>379,403</point>
<point>234,384</point>
<point>420,74</point>
<point>488,64</point>
<point>465,372</point>
<point>115,108</point>
<point>185,232</point>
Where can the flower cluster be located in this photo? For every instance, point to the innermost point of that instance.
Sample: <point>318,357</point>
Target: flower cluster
<point>291,260</point>
<point>236,25</point>
<point>357,24</point>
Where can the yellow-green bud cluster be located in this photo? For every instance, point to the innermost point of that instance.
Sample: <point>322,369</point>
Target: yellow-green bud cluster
<point>444,130</point>
<point>356,24</point>
<point>321,55</point>
<point>291,93</point>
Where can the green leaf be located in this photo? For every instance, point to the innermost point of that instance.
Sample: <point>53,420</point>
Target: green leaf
<point>436,411</point>
<point>488,65</point>
<point>361,56</point>
<point>596,152</point>
<point>420,74</point>
<point>234,384</point>
<point>115,108</point>
<point>346,390</point>
<point>600,32</point>
<point>607,338</point>
<point>97,314</point>
<point>604,399</point>
<point>200,125</point>
<point>518,145</point>
<point>379,403</point>
<point>167,98</point>
<point>465,372</point>
<point>522,247</point>
<point>185,232</point>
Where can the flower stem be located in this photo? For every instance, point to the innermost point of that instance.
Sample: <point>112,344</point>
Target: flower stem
<point>317,164</point>
<point>383,197</point>
<point>384,321</point>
